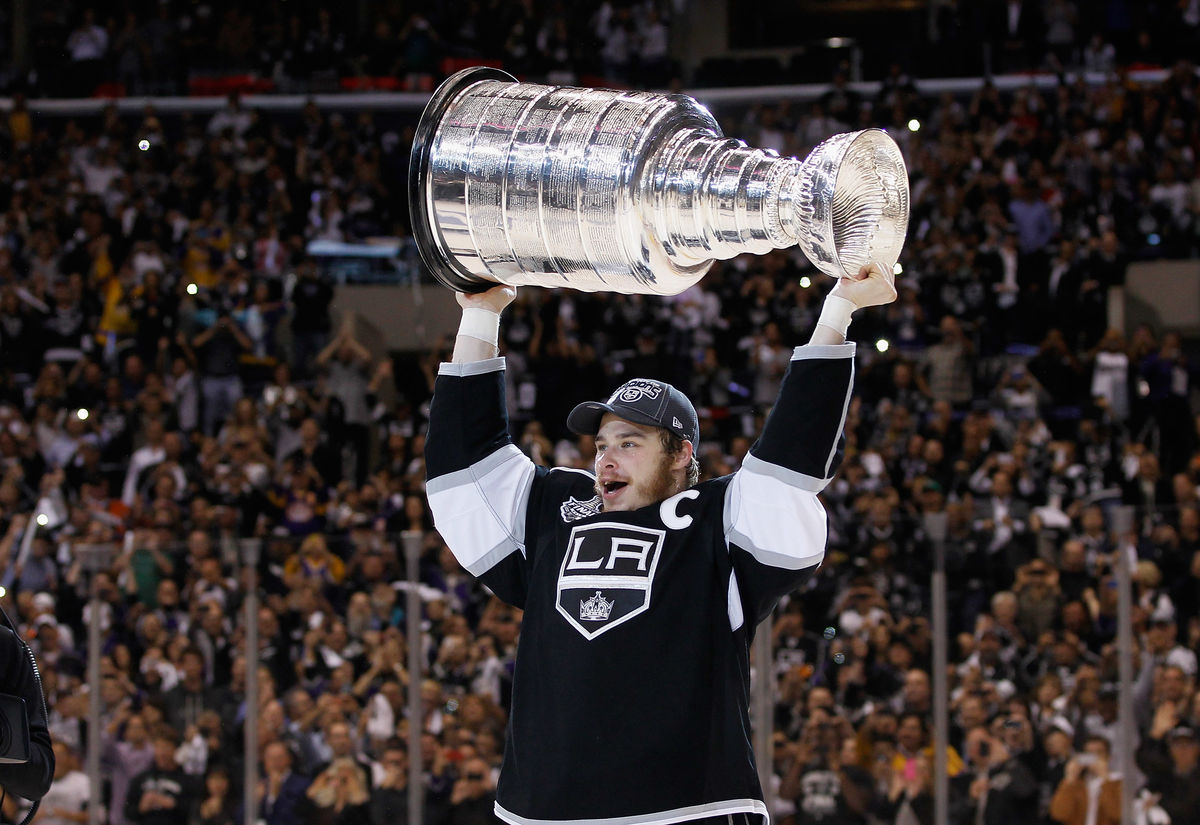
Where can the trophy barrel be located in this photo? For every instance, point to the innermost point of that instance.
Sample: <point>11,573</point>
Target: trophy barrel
<point>419,165</point>
<point>526,184</point>
<point>633,192</point>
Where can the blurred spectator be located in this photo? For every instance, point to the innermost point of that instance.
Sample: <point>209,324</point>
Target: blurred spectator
<point>338,795</point>
<point>87,47</point>
<point>1001,788</point>
<point>1089,792</point>
<point>66,802</point>
<point>310,298</point>
<point>1171,762</point>
<point>218,806</point>
<point>184,703</point>
<point>348,362</point>
<point>474,795</point>
<point>128,750</point>
<point>161,794</point>
<point>948,364</point>
<point>281,791</point>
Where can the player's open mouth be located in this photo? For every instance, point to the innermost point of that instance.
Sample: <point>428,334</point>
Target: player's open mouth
<point>611,488</point>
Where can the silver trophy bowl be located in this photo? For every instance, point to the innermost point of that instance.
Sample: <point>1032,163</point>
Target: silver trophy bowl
<point>601,190</point>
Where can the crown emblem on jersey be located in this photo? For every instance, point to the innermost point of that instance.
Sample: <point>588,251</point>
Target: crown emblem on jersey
<point>595,609</point>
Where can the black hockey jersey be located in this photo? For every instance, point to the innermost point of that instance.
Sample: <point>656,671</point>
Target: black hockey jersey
<point>631,690</point>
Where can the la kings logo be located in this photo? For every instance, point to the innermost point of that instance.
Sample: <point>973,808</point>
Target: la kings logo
<point>607,575</point>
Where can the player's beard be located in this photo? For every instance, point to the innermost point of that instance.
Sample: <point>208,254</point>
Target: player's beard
<point>661,485</point>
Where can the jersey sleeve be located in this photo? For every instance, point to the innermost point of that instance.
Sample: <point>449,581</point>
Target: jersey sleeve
<point>478,482</point>
<point>774,523</point>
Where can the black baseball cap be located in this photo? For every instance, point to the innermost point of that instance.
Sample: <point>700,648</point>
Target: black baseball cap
<point>642,401</point>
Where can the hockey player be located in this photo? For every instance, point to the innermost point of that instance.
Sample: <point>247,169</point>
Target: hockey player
<point>641,588</point>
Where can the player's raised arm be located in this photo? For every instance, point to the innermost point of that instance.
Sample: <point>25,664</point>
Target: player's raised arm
<point>775,525</point>
<point>478,481</point>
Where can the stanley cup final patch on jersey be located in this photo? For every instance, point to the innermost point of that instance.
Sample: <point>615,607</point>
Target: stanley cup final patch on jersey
<point>607,575</point>
<point>573,509</point>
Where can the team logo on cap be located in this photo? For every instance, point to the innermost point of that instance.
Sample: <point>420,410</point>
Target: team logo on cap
<point>634,391</point>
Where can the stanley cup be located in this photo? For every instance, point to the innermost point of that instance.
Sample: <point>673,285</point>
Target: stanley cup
<point>600,190</point>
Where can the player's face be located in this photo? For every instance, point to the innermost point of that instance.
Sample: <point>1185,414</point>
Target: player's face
<point>632,468</point>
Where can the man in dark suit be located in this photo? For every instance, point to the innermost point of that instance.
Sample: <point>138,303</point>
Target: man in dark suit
<point>1004,520</point>
<point>281,793</point>
<point>192,696</point>
<point>162,794</point>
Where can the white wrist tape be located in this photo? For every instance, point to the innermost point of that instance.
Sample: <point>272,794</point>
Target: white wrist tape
<point>480,323</point>
<point>835,313</point>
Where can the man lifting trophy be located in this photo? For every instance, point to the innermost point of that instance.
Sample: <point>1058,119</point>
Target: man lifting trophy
<point>641,584</point>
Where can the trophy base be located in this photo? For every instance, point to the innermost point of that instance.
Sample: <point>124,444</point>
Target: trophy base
<point>457,278</point>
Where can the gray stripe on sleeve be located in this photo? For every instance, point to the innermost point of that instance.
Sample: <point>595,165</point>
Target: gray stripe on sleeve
<point>465,477</point>
<point>772,559</point>
<point>492,557</point>
<point>801,481</point>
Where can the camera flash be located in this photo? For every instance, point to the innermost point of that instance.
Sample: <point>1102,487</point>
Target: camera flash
<point>43,519</point>
<point>144,145</point>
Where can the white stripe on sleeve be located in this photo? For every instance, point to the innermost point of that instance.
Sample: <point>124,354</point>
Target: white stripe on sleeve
<point>775,516</point>
<point>480,511</point>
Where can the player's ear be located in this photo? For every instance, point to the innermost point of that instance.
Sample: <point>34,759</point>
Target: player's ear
<point>683,458</point>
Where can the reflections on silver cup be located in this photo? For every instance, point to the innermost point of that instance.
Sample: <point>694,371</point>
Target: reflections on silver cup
<point>633,192</point>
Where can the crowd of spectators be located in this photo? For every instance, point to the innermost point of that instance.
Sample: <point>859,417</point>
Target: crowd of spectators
<point>297,45</point>
<point>161,46</point>
<point>173,383</point>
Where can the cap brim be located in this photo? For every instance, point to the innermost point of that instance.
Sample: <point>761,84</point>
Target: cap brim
<point>586,417</point>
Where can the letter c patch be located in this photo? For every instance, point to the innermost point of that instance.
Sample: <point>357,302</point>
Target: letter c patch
<point>666,510</point>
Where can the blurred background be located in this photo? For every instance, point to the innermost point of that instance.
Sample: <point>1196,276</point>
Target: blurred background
<point>217,347</point>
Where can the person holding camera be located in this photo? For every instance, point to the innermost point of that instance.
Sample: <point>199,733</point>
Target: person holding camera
<point>217,350</point>
<point>1000,790</point>
<point>338,795</point>
<point>473,797</point>
<point>389,802</point>
<point>31,777</point>
<point>823,779</point>
<point>1088,793</point>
